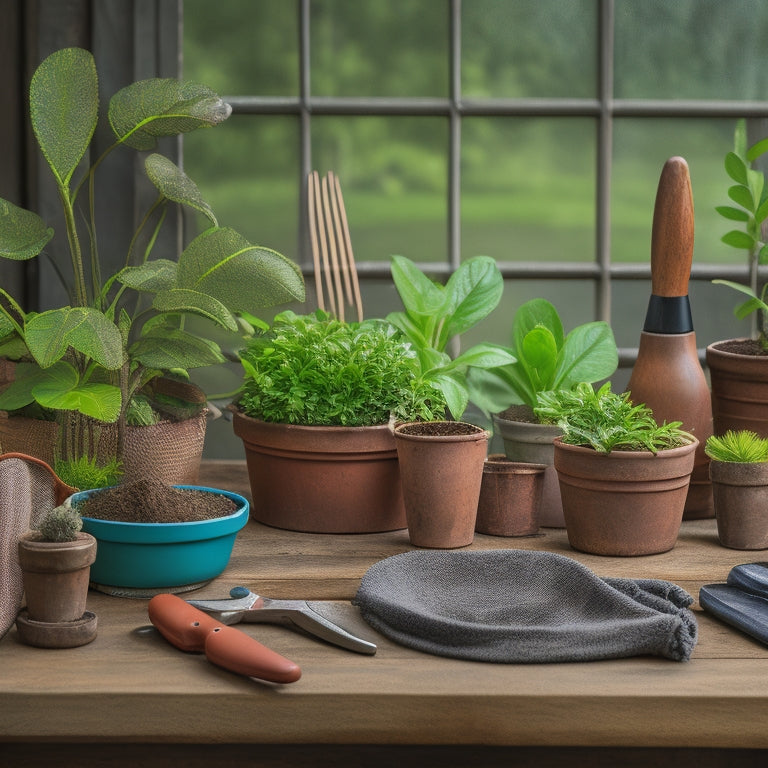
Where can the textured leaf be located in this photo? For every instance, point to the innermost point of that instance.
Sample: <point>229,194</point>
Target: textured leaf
<point>151,277</point>
<point>176,185</point>
<point>163,349</point>
<point>148,109</point>
<point>185,300</point>
<point>85,329</point>
<point>64,107</point>
<point>23,234</point>
<point>243,277</point>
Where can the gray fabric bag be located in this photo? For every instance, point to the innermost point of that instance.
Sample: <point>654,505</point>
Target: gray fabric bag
<point>515,606</point>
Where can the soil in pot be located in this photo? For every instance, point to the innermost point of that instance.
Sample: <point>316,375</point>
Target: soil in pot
<point>152,501</point>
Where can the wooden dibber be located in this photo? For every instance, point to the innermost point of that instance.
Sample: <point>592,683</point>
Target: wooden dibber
<point>668,376</point>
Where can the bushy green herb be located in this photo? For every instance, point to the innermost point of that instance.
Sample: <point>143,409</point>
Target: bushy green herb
<point>607,421</point>
<point>60,524</point>
<point>741,446</point>
<point>315,370</point>
<point>84,473</point>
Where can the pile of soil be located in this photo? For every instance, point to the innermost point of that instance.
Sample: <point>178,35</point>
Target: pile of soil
<point>152,501</point>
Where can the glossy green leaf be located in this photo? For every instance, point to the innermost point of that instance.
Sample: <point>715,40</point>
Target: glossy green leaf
<point>23,234</point>
<point>174,184</point>
<point>738,239</point>
<point>61,390</point>
<point>734,214</point>
<point>757,149</point>
<point>736,168</point>
<point>741,195</point>
<point>588,354</point>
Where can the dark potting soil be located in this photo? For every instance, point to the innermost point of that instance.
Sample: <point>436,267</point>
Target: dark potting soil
<point>522,413</point>
<point>152,501</point>
<point>742,347</point>
<point>440,428</point>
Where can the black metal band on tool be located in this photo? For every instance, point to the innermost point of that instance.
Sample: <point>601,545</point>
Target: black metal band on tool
<point>668,314</point>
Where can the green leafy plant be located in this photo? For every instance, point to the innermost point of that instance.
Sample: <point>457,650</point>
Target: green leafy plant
<point>316,370</point>
<point>742,446</point>
<point>750,194</point>
<point>607,421</point>
<point>62,523</point>
<point>437,314</point>
<point>86,473</point>
<point>546,359</point>
<point>122,330</point>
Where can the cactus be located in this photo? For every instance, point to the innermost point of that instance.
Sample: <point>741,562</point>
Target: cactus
<point>60,524</point>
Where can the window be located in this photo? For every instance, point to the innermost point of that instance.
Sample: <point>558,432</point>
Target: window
<point>533,131</point>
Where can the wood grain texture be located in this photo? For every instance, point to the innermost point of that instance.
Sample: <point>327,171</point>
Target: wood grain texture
<point>130,685</point>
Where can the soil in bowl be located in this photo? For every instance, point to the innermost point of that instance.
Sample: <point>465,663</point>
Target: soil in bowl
<point>152,501</point>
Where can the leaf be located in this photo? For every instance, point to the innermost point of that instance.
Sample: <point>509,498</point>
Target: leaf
<point>23,234</point>
<point>61,390</point>
<point>757,149</point>
<point>174,184</point>
<point>734,214</point>
<point>736,168</point>
<point>756,183</point>
<point>761,213</point>
<point>738,239</point>
<point>185,300</point>
<point>741,195</point>
<point>588,354</point>
<point>485,355</point>
<point>150,277</point>
<point>455,391</point>
<point>419,294</point>
<point>529,315</point>
<point>148,109</point>
<point>748,307</point>
<point>539,356</point>
<point>740,138</point>
<point>243,277</point>
<point>162,348</point>
<point>50,334</point>
<point>64,106</point>
<point>19,393</point>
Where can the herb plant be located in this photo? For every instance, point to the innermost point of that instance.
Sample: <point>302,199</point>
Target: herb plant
<point>741,446</point>
<point>546,359</point>
<point>750,193</point>
<point>316,370</point>
<point>436,314</point>
<point>86,473</point>
<point>607,421</point>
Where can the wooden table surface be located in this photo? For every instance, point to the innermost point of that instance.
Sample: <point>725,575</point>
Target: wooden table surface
<point>131,686</point>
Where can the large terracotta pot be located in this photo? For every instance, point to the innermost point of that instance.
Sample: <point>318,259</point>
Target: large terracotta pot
<point>623,502</point>
<point>739,389</point>
<point>441,464</point>
<point>741,503</point>
<point>531,442</point>
<point>322,479</point>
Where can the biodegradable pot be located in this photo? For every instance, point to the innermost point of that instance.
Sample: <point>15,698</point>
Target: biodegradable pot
<point>741,503</point>
<point>322,479</point>
<point>739,385</point>
<point>510,497</point>
<point>530,442</point>
<point>55,577</point>
<point>623,502</point>
<point>441,466</point>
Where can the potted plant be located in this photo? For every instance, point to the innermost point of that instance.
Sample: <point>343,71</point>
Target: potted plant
<point>546,359</point>
<point>314,416</point>
<point>96,361</point>
<point>739,367</point>
<point>623,477</point>
<point>739,471</point>
<point>55,561</point>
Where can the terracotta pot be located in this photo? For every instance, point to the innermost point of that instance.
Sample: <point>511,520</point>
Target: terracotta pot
<point>741,503</point>
<point>322,479</point>
<point>55,577</point>
<point>441,466</point>
<point>510,497</point>
<point>739,390</point>
<point>623,502</point>
<point>530,442</point>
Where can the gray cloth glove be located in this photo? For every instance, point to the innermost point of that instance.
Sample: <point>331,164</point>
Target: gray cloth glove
<point>515,606</point>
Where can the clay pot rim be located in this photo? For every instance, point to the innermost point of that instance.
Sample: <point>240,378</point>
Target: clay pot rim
<point>500,462</point>
<point>741,473</point>
<point>31,540</point>
<point>633,455</point>
<point>714,349</point>
<point>338,429</point>
<point>477,433</point>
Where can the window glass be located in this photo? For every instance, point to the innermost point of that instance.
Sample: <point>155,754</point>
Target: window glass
<point>528,188</point>
<point>691,49</point>
<point>529,48</point>
<point>393,48</point>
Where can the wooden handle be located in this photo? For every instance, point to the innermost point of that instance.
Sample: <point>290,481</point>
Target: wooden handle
<point>672,238</point>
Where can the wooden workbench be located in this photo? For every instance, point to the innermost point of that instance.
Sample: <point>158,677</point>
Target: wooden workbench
<point>131,698</point>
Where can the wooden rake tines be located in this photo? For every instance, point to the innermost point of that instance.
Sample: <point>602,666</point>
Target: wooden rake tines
<point>334,262</point>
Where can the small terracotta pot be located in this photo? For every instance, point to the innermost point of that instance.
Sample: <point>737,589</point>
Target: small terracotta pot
<point>441,467</point>
<point>56,577</point>
<point>624,502</point>
<point>510,497</point>
<point>741,503</point>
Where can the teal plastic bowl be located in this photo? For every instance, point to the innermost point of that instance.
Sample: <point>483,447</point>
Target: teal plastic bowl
<point>141,559</point>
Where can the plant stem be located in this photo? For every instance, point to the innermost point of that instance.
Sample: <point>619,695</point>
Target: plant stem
<point>81,291</point>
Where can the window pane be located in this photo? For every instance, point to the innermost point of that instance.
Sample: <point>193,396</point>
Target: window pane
<point>691,49</point>
<point>393,48</point>
<point>239,47</point>
<point>393,174</point>
<point>529,48</point>
<point>528,188</point>
<point>248,171</point>
<point>641,147</point>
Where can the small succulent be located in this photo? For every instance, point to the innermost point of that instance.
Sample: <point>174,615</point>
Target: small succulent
<point>62,523</point>
<point>741,446</point>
